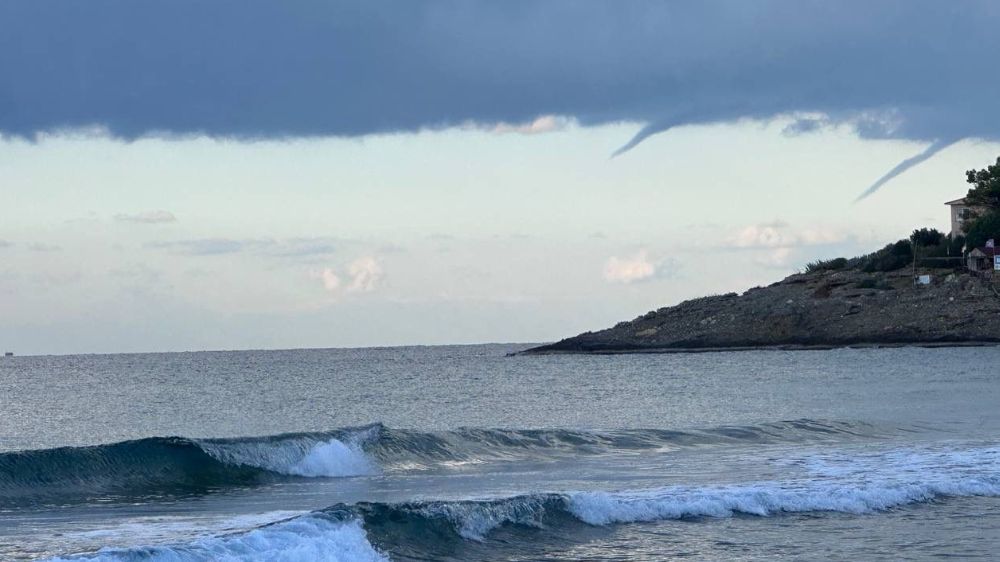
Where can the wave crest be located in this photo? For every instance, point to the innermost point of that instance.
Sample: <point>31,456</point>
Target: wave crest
<point>308,456</point>
<point>159,465</point>
<point>177,465</point>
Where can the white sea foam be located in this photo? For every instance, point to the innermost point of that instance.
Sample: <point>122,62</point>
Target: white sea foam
<point>305,539</point>
<point>849,483</point>
<point>297,456</point>
<point>333,458</point>
<point>160,529</point>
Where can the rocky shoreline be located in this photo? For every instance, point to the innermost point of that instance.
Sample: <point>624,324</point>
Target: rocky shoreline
<point>818,310</point>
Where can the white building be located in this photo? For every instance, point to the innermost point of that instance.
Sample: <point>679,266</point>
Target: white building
<point>961,213</point>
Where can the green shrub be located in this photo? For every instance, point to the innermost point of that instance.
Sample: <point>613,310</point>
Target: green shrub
<point>955,245</point>
<point>982,229</point>
<point>927,237</point>
<point>890,258</point>
<point>826,265</point>
<point>928,242</point>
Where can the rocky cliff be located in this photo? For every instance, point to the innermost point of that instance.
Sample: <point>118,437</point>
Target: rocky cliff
<point>820,309</point>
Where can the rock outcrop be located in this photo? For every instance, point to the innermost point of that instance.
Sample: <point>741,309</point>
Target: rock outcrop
<point>821,309</point>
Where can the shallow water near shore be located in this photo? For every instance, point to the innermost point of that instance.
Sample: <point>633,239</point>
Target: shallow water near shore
<point>463,453</point>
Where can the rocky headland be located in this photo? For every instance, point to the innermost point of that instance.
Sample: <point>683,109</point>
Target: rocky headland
<point>819,309</point>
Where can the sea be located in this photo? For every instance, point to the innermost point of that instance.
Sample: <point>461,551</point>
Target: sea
<point>464,453</point>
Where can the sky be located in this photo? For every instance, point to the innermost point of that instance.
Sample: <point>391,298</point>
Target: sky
<point>187,175</point>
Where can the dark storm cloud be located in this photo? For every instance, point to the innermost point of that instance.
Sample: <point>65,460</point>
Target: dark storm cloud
<point>908,69</point>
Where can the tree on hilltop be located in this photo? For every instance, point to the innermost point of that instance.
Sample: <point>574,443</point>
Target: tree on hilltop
<point>927,237</point>
<point>985,194</point>
<point>986,187</point>
<point>986,227</point>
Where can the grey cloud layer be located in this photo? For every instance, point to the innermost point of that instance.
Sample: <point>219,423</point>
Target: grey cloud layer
<point>258,68</point>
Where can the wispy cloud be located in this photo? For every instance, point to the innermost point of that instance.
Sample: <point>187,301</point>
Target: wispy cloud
<point>289,248</point>
<point>303,247</point>
<point>210,246</point>
<point>147,217</point>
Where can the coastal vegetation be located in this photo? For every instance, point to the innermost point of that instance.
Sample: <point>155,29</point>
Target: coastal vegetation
<point>983,228</point>
<point>933,248</point>
<point>985,196</point>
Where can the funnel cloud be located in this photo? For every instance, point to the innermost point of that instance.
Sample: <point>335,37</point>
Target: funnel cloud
<point>934,148</point>
<point>258,69</point>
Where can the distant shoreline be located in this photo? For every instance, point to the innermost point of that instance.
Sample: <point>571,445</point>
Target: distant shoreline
<point>817,310</point>
<point>730,348</point>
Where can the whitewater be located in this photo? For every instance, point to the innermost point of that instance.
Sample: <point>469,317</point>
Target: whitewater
<point>463,453</point>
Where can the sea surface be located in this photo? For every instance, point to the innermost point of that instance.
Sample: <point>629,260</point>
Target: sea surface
<point>463,453</point>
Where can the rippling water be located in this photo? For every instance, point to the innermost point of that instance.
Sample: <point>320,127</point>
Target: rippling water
<point>462,453</point>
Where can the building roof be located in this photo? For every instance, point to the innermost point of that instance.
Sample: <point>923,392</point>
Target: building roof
<point>986,252</point>
<point>956,202</point>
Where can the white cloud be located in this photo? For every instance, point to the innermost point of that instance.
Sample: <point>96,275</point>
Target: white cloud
<point>363,275</point>
<point>778,234</point>
<point>629,269</point>
<point>365,272</point>
<point>776,244</point>
<point>329,278</point>
<point>761,236</point>
<point>147,217</point>
<point>541,124</point>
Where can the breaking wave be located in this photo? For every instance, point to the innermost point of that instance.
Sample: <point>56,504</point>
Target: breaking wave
<point>169,465</point>
<point>177,465</point>
<point>860,483</point>
<point>865,484</point>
